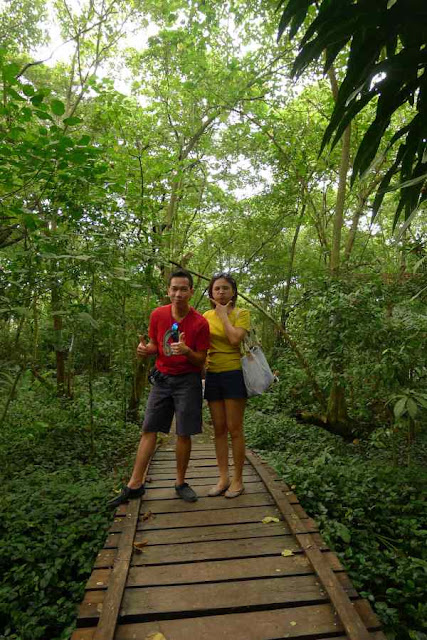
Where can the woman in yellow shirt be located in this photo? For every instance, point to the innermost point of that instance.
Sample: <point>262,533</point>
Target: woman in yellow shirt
<point>225,389</point>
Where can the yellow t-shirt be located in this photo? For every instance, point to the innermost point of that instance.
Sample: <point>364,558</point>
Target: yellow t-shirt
<point>223,356</point>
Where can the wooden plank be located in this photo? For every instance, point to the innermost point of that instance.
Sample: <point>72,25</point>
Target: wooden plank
<point>216,534</point>
<point>206,480</point>
<point>200,534</point>
<point>309,622</point>
<point>205,518</point>
<point>197,473</point>
<point>220,550</point>
<point>88,633</point>
<point>195,538</point>
<point>117,580</point>
<point>195,463</point>
<point>352,623</point>
<point>232,569</point>
<point>202,504</point>
<point>105,559</point>
<point>155,522</point>
<point>209,571</point>
<point>208,504</point>
<point>169,493</point>
<point>208,454</point>
<point>205,551</point>
<point>216,597</point>
<point>144,603</point>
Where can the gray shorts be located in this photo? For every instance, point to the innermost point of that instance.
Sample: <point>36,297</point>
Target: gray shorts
<point>180,395</point>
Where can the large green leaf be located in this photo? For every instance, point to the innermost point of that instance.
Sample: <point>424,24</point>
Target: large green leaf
<point>386,62</point>
<point>58,107</point>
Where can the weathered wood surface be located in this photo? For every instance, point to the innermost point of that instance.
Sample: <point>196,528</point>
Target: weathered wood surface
<point>211,569</point>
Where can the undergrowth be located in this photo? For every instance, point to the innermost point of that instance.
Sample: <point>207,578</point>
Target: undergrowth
<point>56,477</point>
<point>57,474</point>
<point>371,512</point>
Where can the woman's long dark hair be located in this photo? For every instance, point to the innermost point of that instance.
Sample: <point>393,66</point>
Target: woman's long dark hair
<point>230,280</point>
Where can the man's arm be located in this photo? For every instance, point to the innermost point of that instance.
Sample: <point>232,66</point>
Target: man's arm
<point>145,350</point>
<point>181,349</point>
<point>196,357</point>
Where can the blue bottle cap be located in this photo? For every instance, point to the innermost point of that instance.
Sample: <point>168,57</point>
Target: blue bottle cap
<point>175,326</point>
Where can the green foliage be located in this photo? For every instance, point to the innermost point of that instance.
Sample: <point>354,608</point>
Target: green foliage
<point>209,156</point>
<point>372,514</point>
<point>386,62</point>
<point>53,515</point>
<point>368,327</point>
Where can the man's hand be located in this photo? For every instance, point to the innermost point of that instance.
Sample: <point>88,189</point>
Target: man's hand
<point>180,348</point>
<point>222,310</point>
<point>145,350</point>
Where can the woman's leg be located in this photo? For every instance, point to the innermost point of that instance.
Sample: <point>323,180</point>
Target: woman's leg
<point>217,409</point>
<point>234,411</point>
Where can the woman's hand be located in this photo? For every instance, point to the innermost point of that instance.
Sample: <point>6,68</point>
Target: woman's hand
<point>222,310</point>
<point>180,348</point>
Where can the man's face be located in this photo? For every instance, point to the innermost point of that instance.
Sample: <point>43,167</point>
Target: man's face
<point>179,291</point>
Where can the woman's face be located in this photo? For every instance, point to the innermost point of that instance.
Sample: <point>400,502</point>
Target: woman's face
<point>222,291</point>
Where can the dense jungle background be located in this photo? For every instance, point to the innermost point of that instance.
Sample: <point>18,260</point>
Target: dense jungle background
<point>141,134</point>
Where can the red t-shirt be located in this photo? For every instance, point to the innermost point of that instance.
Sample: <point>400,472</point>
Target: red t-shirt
<point>196,330</point>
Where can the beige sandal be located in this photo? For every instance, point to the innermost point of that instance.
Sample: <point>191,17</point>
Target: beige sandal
<point>234,494</point>
<point>214,492</point>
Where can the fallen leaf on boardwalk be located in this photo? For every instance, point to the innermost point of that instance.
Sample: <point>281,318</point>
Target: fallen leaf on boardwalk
<point>287,552</point>
<point>293,623</point>
<point>156,635</point>
<point>269,519</point>
<point>147,515</point>
<point>138,546</point>
<point>293,486</point>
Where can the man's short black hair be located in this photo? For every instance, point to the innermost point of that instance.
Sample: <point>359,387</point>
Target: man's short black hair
<point>181,273</point>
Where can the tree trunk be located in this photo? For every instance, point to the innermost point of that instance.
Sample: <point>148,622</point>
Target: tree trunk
<point>336,413</point>
<point>339,206</point>
<point>283,314</point>
<point>11,394</point>
<point>337,406</point>
<point>57,332</point>
<point>139,384</point>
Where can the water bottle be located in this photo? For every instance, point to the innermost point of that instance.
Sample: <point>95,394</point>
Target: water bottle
<point>175,332</point>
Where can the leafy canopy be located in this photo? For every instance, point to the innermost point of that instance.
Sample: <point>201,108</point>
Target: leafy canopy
<point>387,61</point>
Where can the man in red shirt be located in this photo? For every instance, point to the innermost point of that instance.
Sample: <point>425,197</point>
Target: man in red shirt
<point>179,338</point>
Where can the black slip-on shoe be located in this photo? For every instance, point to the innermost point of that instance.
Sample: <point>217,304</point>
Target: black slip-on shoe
<point>185,492</point>
<point>125,495</point>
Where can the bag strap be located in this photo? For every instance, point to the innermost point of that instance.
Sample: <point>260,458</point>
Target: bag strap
<point>247,343</point>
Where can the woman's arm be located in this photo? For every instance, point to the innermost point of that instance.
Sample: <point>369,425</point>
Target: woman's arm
<point>235,335</point>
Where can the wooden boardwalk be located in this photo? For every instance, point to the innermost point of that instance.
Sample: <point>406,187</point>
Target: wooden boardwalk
<point>213,570</point>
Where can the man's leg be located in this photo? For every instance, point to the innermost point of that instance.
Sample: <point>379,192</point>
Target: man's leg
<point>135,486</point>
<point>158,417</point>
<point>146,448</point>
<point>188,413</point>
<point>183,452</point>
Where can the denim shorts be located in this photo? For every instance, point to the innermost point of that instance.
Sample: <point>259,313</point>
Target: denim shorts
<point>180,395</point>
<point>225,385</point>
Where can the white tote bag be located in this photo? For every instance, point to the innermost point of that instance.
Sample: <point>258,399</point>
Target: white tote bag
<point>256,371</point>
